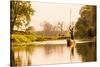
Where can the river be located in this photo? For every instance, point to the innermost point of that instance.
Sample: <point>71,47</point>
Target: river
<point>54,52</point>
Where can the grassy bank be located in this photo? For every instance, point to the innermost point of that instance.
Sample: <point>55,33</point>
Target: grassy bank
<point>27,38</point>
<point>19,38</point>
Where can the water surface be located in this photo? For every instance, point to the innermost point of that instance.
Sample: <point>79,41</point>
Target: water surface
<point>54,54</point>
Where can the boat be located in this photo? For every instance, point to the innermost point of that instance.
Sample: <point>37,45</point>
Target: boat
<point>70,43</point>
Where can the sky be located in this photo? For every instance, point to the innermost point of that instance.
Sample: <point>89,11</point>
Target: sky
<point>54,13</point>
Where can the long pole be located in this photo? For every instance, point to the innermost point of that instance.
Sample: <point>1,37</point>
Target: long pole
<point>70,16</point>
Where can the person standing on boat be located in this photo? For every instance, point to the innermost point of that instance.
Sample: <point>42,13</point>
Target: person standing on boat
<point>71,40</point>
<point>71,32</point>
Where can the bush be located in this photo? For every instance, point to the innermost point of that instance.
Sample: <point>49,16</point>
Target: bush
<point>41,38</point>
<point>31,37</point>
<point>17,38</point>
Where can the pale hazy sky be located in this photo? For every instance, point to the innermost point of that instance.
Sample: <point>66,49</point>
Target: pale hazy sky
<point>53,12</point>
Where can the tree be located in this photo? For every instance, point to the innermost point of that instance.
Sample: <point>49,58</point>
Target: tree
<point>47,26</point>
<point>55,28</point>
<point>30,29</point>
<point>88,13</point>
<point>86,24</point>
<point>21,12</point>
<point>60,26</point>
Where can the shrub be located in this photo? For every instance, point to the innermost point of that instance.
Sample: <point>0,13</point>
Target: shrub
<point>22,38</point>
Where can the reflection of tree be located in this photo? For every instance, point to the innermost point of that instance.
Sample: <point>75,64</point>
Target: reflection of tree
<point>54,49</point>
<point>29,61</point>
<point>48,49</point>
<point>29,51</point>
<point>61,49</point>
<point>18,60</point>
<point>21,58</point>
<point>87,50</point>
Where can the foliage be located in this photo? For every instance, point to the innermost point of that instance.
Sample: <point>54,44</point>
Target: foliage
<point>21,12</point>
<point>18,38</point>
<point>30,29</point>
<point>31,37</point>
<point>53,30</point>
<point>26,38</point>
<point>40,38</point>
<point>47,27</point>
<point>60,27</point>
<point>86,24</point>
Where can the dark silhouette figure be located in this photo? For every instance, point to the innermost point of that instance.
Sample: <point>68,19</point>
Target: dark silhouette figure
<point>71,32</point>
<point>72,36</point>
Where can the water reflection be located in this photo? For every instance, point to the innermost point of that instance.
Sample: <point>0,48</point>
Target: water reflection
<point>29,52</point>
<point>87,51</point>
<point>51,54</point>
<point>22,56</point>
<point>53,49</point>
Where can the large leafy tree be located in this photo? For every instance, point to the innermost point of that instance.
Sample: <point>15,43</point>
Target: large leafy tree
<point>21,12</point>
<point>86,24</point>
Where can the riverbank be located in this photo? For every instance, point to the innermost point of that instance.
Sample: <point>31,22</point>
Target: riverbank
<point>27,38</point>
<point>49,42</point>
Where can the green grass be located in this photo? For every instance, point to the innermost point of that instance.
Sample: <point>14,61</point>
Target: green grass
<point>26,38</point>
<point>19,38</point>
